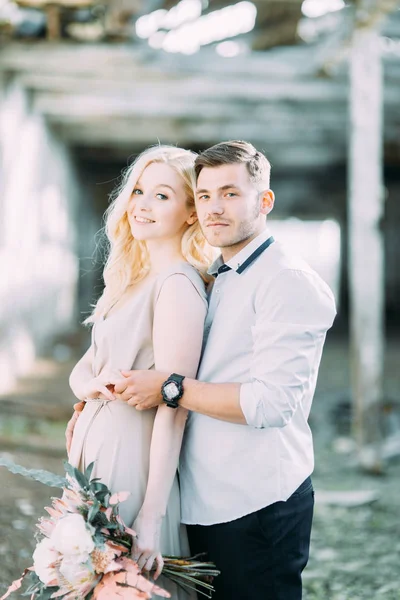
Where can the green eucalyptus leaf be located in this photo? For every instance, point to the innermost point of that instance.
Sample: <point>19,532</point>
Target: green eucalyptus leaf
<point>45,477</point>
<point>101,520</point>
<point>33,588</point>
<point>69,469</point>
<point>47,592</point>
<point>101,497</point>
<point>98,487</point>
<point>88,471</point>
<point>81,479</point>
<point>93,510</point>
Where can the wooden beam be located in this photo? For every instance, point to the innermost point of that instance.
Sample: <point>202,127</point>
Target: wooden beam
<point>304,117</point>
<point>88,59</point>
<point>366,274</point>
<point>123,137</point>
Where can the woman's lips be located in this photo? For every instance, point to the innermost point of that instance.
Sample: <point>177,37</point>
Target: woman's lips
<point>143,221</point>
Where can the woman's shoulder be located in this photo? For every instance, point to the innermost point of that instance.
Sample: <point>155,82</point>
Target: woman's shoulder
<point>172,273</point>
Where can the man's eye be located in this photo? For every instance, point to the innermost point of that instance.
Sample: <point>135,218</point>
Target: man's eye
<point>230,194</point>
<point>203,197</point>
<point>162,196</point>
<point>136,192</point>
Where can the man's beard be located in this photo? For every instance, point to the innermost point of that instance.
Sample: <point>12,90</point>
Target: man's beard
<point>246,229</point>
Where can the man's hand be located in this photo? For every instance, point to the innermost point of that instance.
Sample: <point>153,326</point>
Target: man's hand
<point>141,389</point>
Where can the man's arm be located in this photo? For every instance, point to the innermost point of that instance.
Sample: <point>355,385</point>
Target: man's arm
<point>218,400</point>
<point>292,317</point>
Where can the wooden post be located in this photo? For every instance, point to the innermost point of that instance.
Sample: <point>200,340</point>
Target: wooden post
<point>53,22</point>
<point>366,269</point>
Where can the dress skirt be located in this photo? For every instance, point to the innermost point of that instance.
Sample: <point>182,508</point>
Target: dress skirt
<point>117,438</point>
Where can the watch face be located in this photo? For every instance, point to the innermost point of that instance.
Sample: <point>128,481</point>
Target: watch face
<point>171,390</point>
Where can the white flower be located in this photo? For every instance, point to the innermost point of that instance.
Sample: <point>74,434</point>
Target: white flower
<point>45,555</point>
<point>76,574</point>
<point>72,539</point>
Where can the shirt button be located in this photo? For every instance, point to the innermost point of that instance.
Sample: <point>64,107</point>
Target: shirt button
<point>217,291</point>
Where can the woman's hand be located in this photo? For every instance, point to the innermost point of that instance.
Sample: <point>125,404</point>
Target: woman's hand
<point>102,386</point>
<point>146,546</point>
<point>78,408</point>
<point>98,387</point>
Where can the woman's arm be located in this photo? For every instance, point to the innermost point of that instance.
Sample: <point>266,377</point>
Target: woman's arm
<point>177,339</point>
<point>81,374</point>
<point>84,385</point>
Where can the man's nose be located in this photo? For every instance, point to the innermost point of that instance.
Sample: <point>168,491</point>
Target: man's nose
<point>216,207</point>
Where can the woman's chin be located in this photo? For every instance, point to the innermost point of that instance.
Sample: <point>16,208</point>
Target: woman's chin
<point>141,235</point>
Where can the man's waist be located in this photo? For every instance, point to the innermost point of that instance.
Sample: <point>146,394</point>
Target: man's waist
<point>201,506</point>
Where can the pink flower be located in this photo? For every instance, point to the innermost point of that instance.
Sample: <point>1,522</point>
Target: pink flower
<point>46,526</point>
<point>56,514</point>
<point>74,580</point>
<point>103,560</point>
<point>73,499</point>
<point>119,497</point>
<point>60,505</point>
<point>134,585</point>
<point>108,589</point>
<point>125,527</point>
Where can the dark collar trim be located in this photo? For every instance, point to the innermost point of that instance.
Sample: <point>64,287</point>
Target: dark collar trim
<point>255,255</point>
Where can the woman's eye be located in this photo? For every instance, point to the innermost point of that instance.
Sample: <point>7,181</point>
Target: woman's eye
<point>203,197</point>
<point>136,192</point>
<point>162,196</point>
<point>231,194</point>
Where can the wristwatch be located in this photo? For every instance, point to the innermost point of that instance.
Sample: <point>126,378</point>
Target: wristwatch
<point>172,390</point>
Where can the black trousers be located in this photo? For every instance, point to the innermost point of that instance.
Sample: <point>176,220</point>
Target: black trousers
<point>260,556</point>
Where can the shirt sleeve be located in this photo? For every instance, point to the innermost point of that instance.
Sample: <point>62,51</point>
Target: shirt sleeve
<point>292,318</point>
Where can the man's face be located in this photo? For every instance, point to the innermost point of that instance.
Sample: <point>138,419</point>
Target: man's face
<point>229,206</point>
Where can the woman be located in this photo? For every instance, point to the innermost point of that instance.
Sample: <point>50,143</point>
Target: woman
<point>151,315</point>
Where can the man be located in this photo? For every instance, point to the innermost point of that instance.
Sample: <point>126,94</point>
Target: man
<point>247,456</point>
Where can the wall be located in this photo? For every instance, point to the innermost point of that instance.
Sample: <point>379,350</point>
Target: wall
<point>38,207</point>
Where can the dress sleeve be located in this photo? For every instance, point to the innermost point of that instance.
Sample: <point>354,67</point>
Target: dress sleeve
<point>191,274</point>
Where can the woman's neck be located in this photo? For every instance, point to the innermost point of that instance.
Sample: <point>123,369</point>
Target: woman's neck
<point>162,255</point>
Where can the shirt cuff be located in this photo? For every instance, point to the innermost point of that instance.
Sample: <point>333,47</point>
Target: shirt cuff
<point>250,408</point>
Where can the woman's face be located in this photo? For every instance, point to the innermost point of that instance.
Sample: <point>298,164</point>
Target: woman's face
<point>158,206</point>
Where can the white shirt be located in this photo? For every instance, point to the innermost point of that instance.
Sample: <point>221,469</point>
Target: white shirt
<point>265,329</point>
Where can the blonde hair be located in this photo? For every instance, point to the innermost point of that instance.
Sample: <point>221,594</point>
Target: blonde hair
<point>128,259</point>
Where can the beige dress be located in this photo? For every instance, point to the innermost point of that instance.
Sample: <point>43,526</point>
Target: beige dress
<point>117,436</point>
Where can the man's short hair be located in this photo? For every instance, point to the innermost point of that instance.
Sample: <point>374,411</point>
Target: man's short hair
<point>237,152</point>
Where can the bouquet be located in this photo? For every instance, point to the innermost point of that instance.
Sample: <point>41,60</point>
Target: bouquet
<point>83,548</point>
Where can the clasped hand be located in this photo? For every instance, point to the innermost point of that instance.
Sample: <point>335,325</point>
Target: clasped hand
<point>141,389</point>
<point>98,387</point>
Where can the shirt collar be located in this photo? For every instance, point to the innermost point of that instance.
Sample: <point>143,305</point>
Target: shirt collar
<point>241,257</point>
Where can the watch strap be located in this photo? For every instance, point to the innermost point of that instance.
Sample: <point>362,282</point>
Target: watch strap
<point>177,378</point>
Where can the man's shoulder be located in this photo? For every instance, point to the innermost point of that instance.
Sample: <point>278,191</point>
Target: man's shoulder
<point>278,259</point>
<point>284,267</point>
